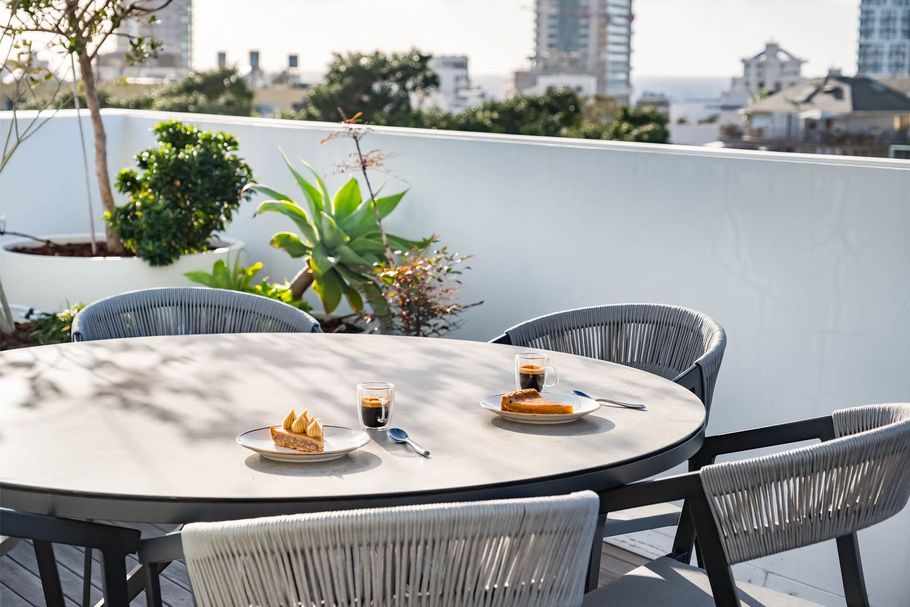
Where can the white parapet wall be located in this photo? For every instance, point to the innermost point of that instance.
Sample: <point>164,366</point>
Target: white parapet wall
<point>805,260</point>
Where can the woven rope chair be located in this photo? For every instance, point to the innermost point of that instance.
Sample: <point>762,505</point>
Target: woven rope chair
<point>761,506</point>
<point>188,311</point>
<point>676,343</point>
<point>510,553</point>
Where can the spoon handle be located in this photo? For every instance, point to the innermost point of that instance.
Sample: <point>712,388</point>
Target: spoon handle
<point>419,449</point>
<point>638,406</point>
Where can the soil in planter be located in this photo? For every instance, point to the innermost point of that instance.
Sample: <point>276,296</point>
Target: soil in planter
<point>72,249</point>
<point>19,338</point>
<point>69,249</point>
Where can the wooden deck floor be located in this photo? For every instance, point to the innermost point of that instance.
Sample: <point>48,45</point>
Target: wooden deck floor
<point>20,585</point>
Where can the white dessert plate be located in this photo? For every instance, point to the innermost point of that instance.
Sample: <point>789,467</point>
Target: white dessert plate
<point>338,442</point>
<point>582,406</point>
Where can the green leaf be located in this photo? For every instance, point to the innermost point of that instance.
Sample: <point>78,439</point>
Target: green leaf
<point>291,243</point>
<point>370,244</point>
<point>346,199</point>
<point>388,204</point>
<point>354,276</point>
<point>295,212</point>
<point>200,277</point>
<point>326,197</point>
<point>263,189</point>
<point>221,276</point>
<point>349,257</point>
<point>353,297</point>
<point>321,262</point>
<point>332,235</point>
<point>313,195</point>
<point>328,288</point>
<point>403,244</point>
<point>379,304</point>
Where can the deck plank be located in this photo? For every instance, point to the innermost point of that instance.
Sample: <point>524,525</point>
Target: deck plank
<point>9,598</point>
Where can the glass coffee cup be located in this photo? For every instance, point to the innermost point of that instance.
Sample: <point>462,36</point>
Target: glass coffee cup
<point>533,371</point>
<point>374,404</point>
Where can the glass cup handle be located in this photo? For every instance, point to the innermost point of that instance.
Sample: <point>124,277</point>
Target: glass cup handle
<point>551,371</point>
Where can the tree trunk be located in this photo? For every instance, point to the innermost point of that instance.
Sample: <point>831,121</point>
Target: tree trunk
<point>301,282</point>
<point>104,182</point>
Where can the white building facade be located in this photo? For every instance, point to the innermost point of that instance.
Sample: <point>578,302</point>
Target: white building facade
<point>455,91</point>
<point>173,29</point>
<point>582,38</point>
<point>884,39</point>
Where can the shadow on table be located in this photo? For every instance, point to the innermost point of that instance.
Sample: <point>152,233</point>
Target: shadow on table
<point>584,426</point>
<point>351,464</point>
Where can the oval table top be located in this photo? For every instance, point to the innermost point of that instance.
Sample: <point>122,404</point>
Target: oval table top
<point>144,429</point>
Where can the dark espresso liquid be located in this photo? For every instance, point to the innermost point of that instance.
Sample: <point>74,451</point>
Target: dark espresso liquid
<point>372,413</point>
<point>531,376</point>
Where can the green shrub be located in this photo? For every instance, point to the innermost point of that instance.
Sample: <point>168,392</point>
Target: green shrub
<point>187,189</point>
<point>236,277</point>
<point>54,328</point>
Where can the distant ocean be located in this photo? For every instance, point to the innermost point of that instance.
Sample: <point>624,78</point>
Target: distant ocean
<point>679,89</point>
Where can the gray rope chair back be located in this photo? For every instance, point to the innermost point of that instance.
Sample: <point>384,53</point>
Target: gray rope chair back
<point>520,552</point>
<point>674,342</point>
<point>188,311</point>
<point>770,504</point>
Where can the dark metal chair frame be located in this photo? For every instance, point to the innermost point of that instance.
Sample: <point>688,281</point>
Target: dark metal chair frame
<point>114,543</point>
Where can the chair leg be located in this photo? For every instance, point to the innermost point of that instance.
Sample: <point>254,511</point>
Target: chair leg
<point>116,593</point>
<point>596,551</point>
<point>87,578</point>
<point>152,584</point>
<point>50,577</point>
<point>851,570</point>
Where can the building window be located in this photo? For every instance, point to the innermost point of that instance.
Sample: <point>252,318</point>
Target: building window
<point>901,2</point>
<point>867,23</point>
<point>887,24</point>
<point>897,59</point>
<point>905,24</point>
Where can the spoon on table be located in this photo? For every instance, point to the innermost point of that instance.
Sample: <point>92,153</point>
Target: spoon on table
<point>400,436</point>
<point>636,406</point>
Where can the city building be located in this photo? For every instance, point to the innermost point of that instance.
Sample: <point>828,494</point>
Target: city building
<point>836,114</point>
<point>768,71</point>
<point>583,44</point>
<point>173,29</point>
<point>884,39</point>
<point>455,91</point>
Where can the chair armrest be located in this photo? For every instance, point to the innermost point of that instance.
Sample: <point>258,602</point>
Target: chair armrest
<point>162,549</point>
<point>502,339</point>
<point>645,493</point>
<point>819,428</point>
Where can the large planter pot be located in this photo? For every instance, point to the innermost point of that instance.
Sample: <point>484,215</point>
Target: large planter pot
<point>47,283</point>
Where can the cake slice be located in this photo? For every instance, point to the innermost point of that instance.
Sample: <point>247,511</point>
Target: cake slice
<point>531,401</point>
<point>302,433</point>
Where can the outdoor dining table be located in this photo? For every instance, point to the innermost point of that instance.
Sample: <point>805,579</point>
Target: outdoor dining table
<point>143,430</point>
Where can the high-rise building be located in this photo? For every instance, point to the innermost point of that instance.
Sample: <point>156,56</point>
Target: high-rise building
<point>587,43</point>
<point>173,29</point>
<point>884,38</point>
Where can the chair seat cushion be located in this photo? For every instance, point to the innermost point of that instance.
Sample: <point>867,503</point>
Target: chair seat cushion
<point>666,582</point>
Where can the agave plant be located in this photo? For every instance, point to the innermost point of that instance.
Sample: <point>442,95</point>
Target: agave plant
<point>340,237</point>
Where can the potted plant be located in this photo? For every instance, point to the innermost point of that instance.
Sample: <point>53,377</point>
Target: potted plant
<point>340,237</point>
<point>185,190</point>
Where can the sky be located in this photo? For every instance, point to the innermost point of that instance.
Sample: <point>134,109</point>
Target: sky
<point>671,37</point>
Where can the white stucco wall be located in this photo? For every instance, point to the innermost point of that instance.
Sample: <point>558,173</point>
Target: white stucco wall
<point>805,260</point>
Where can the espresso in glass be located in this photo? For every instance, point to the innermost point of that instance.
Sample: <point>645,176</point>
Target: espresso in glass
<point>374,404</point>
<point>372,412</point>
<point>532,376</point>
<point>532,371</point>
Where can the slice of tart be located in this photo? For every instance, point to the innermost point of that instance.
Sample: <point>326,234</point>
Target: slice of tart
<point>532,401</point>
<point>301,432</point>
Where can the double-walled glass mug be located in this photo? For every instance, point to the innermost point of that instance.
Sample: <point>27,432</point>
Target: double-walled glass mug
<point>374,404</point>
<point>533,371</point>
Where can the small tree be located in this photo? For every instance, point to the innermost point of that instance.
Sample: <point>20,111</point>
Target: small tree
<point>378,85</point>
<point>80,28</point>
